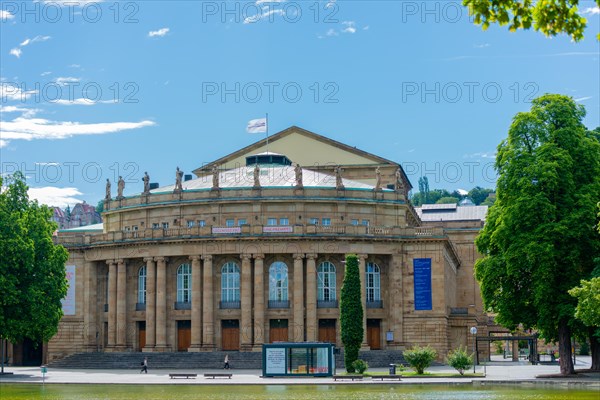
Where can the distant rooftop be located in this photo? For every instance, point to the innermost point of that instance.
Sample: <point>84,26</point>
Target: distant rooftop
<point>94,227</point>
<point>451,212</point>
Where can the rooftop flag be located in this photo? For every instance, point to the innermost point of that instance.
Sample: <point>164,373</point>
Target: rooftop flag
<point>257,126</point>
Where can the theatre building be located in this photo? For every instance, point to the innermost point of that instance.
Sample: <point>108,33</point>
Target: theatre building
<point>251,250</point>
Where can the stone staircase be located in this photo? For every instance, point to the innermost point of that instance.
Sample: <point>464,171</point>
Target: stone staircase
<point>202,360</point>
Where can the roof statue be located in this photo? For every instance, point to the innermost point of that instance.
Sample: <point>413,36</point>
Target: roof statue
<point>146,180</point>
<point>178,177</point>
<point>338,178</point>
<point>377,179</point>
<point>120,188</point>
<point>298,172</point>
<point>215,172</point>
<point>107,196</point>
<point>256,174</point>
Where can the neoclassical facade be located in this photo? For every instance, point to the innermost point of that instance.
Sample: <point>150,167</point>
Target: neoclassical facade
<point>251,251</point>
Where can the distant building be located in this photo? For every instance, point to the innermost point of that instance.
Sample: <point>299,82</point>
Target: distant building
<point>59,217</point>
<point>83,214</point>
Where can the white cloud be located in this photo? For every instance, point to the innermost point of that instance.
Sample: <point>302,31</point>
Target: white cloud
<point>331,32</point>
<point>54,196</point>
<point>159,33</point>
<point>483,154</point>
<point>16,52</point>
<point>63,80</point>
<point>462,192</point>
<point>38,38</point>
<point>330,4</point>
<point>38,128</point>
<point>591,10</point>
<point>350,27</point>
<point>25,112</point>
<point>583,99</point>
<point>45,73</point>
<point>3,143</point>
<point>5,15</point>
<point>11,91</point>
<point>81,102</point>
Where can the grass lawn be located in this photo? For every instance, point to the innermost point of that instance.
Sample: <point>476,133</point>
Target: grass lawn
<point>413,374</point>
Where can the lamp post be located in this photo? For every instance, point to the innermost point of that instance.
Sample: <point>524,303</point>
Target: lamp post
<point>474,333</point>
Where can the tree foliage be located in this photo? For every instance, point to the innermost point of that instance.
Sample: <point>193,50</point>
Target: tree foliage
<point>539,239</point>
<point>32,267</point>
<point>351,312</point>
<point>460,360</point>
<point>551,17</point>
<point>420,358</point>
<point>588,301</point>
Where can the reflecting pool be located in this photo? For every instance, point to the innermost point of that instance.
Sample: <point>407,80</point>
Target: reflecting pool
<point>284,392</point>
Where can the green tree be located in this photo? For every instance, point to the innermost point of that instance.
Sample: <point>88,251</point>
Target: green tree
<point>460,360</point>
<point>479,194</point>
<point>351,312</point>
<point>551,17</point>
<point>447,200</point>
<point>588,301</point>
<point>32,267</point>
<point>539,241</point>
<point>100,207</point>
<point>420,357</point>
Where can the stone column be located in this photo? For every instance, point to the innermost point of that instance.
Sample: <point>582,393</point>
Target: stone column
<point>150,304</point>
<point>298,298</point>
<point>161,304</point>
<point>362,266</point>
<point>208,321</point>
<point>121,305</point>
<point>246,306</point>
<point>259,302</point>
<point>112,303</point>
<point>311,298</point>
<point>90,317</point>
<point>196,304</point>
<point>395,305</point>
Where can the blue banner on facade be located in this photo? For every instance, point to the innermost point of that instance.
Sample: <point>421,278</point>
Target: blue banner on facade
<point>422,289</point>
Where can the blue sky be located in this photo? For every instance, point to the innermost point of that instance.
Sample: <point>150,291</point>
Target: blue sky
<point>93,90</point>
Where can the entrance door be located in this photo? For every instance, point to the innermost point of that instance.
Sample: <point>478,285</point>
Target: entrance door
<point>142,334</point>
<point>374,333</point>
<point>278,331</point>
<point>327,331</point>
<point>230,334</point>
<point>184,335</point>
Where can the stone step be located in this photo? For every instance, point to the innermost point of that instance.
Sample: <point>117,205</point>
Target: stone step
<point>202,360</point>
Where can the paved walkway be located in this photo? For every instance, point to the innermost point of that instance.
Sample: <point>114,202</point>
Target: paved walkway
<point>499,372</point>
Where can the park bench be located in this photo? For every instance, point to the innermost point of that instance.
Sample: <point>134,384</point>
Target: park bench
<point>220,375</point>
<point>382,377</point>
<point>186,376</point>
<point>344,377</point>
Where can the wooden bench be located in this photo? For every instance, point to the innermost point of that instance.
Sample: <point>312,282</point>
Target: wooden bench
<point>221,375</point>
<point>382,377</point>
<point>352,377</point>
<point>186,376</point>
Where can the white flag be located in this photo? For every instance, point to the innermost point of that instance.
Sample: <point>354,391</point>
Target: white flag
<point>257,126</point>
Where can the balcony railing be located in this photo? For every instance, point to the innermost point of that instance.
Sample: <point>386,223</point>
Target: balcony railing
<point>327,304</point>
<point>375,304</point>
<point>140,306</point>
<point>70,239</point>
<point>229,304</point>
<point>279,304</point>
<point>181,305</point>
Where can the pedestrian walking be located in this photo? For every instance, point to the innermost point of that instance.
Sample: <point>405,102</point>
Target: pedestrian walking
<point>226,366</point>
<point>144,365</point>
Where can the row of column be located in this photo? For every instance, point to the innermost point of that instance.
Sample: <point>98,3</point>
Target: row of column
<point>202,312</point>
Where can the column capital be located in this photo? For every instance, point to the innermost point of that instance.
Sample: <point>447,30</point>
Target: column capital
<point>207,257</point>
<point>363,256</point>
<point>148,259</point>
<point>121,261</point>
<point>195,258</point>
<point>163,259</point>
<point>259,256</point>
<point>312,256</point>
<point>109,262</point>
<point>245,256</point>
<point>298,256</point>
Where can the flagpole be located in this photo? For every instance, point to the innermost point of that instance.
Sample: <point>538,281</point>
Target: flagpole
<point>267,130</point>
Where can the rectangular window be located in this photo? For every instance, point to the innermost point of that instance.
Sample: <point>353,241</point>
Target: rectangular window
<point>230,222</point>
<point>313,221</point>
<point>284,221</point>
<point>191,224</point>
<point>365,222</point>
<point>354,222</point>
<point>326,221</point>
<point>135,227</point>
<point>242,222</point>
<point>155,225</point>
<point>272,221</point>
<point>201,222</point>
<point>165,225</point>
<point>126,229</point>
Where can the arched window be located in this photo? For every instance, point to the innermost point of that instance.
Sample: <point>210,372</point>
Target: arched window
<point>373,283</point>
<point>142,285</point>
<point>230,282</point>
<point>278,281</point>
<point>184,283</point>
<point>326,281</point>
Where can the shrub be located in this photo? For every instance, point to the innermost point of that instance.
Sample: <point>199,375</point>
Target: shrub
<point>460,360</point>
<point>360,366</point>
<point>420,358</point>
<point>351,312</point>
